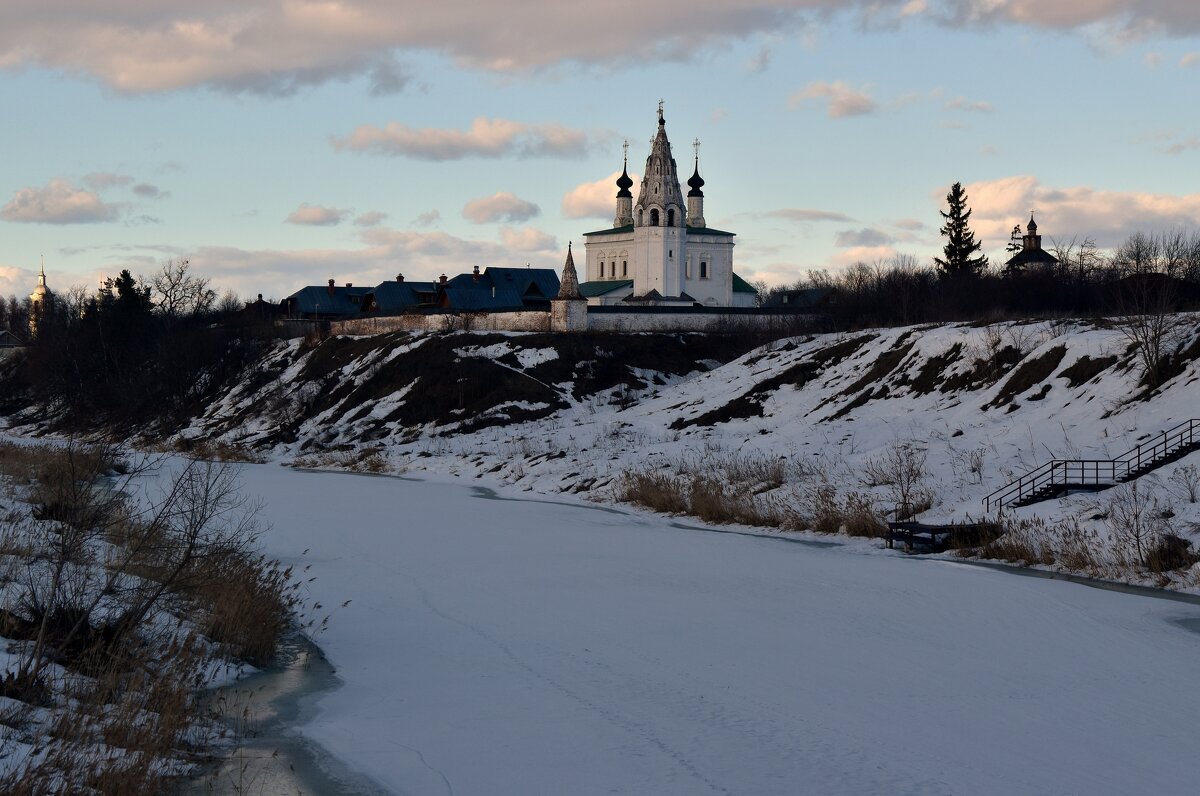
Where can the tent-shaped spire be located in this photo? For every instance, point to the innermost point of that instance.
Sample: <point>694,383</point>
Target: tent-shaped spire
<point>569,284</point>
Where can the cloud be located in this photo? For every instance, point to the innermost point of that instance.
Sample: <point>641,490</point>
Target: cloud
<point>1179,147</point>
<point>316,215</point>
<point>910,224</point>
<point>16,281</point>
<point>148,191</point>
<point>760,62</point>
<point>104,180</point>
<point>503,206</point>
<point>866,237</point>
<point>370,219</point>
<point>594,199</point>
<point>1130,18</point>
<point>862,254</point>
<point>841,100</point>
<point>428,218</point>
<point>527,239</point>
<point>279,46</point>
<point>1189,60</point>
<point>60,202</point>
<point>807,215</point>
<point>967,106</point>
<point>486,138</point>
<point>388,77</point>
<point>1106,216</point>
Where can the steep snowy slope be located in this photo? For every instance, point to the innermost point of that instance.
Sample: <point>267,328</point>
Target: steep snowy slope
<point>969,406</point>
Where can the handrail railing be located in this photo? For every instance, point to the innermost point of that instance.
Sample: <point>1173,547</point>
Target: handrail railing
<point>1098,472</point>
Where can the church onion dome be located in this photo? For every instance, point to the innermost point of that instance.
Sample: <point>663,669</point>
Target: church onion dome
<point>624,183</point>
<point>1032,224</point>
<point>696,183</point>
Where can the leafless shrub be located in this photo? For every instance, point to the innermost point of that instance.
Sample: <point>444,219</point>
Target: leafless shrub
<point>1137,520</point>
<point>902,468</point>
<point>1185,482</point>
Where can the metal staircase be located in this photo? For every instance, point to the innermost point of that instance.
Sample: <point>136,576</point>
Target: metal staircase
<point>1060,476</point>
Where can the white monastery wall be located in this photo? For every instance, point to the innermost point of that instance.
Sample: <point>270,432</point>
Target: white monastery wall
<point>570,317</point>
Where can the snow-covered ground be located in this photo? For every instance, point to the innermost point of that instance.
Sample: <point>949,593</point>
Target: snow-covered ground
<point>516,647</point>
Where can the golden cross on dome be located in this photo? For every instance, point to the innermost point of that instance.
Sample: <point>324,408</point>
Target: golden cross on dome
<point>696,148</point>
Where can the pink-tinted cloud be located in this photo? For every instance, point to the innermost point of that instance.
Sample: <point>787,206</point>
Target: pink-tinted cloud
<point>60,202</point>
<point>840,99</point>
<point>594,199</point>
<point>316,215</point>
<point>527,239</point>
<point>485,138</point>
<point>502,206</point>
<point>806,215</point>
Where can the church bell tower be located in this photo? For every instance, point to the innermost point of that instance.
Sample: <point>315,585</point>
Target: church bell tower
<point>658,220</point>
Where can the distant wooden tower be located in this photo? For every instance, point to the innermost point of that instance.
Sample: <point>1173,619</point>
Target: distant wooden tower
<point>1031,254</point>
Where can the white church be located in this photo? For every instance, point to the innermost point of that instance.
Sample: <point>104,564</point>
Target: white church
<point>659,251</point>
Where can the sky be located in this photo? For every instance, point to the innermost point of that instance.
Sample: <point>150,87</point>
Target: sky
<point>279,143</point>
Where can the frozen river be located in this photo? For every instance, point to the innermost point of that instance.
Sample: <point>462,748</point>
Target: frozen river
<point>512,647</point>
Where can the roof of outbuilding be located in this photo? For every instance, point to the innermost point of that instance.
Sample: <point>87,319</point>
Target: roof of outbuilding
<point>742,286</point>
<point>477,298</point>
<point>602,287</point>
<point>528,282</point>
<point>394,296</point>
<point>1033,257</point>
<point>318,300</point>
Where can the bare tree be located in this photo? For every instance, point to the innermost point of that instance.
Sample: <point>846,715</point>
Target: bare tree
<point>179,293</point>
<point>1147,303</point>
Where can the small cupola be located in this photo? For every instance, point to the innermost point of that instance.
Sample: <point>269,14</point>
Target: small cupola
<point>696,182</point>
<point>624,183</point>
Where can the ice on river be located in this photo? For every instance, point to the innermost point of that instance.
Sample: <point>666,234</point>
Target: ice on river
<point>511,647</point>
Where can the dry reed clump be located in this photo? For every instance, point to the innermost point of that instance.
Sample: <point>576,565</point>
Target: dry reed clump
<point>700,496</point>
<point>248,604</point>
<point>218,451</point>
<point>757,490</point>
<point>715,502</point>
<point>654,490</point>
<point>859,517</point>
<point>1066,544</point>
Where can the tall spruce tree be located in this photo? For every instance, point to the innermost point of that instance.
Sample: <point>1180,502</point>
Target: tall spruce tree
<point>961,246</point>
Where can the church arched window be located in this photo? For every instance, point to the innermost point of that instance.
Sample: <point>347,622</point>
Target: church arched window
<point>703,270</point>
<point>640,221</point>
<point>670,216</point>
<point>654,217</point>
<point>624,268</point>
